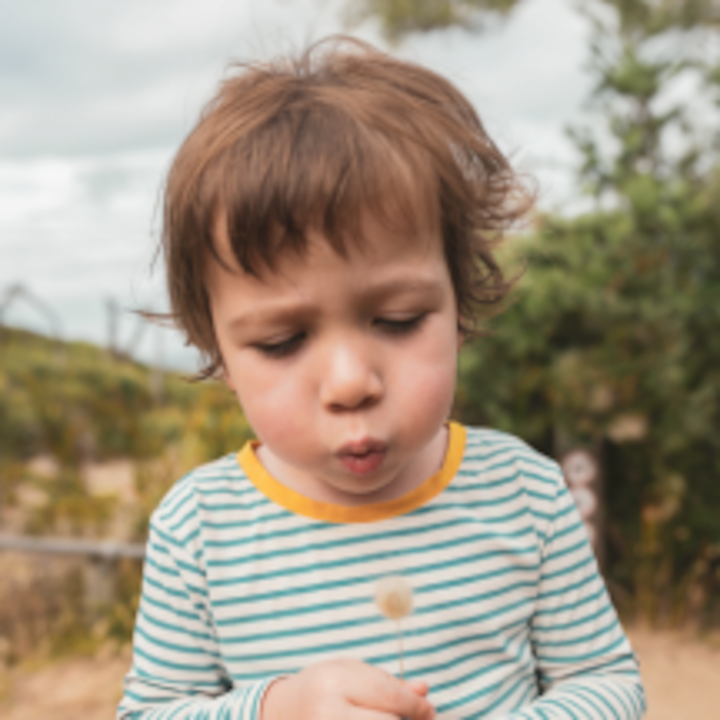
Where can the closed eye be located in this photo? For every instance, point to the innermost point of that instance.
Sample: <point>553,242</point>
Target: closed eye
<point>281,348</point>
<point>400,326</point>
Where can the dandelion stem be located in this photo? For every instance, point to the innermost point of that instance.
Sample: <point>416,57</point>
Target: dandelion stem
<point>400,650</point>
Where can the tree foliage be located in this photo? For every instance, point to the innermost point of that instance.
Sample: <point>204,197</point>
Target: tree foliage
<point>612,341</point>
<point>401,17</point>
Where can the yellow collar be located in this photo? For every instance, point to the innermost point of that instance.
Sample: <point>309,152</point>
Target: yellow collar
<point>328,512</point>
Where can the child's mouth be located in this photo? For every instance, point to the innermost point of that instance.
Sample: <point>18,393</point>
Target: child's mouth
<point>363,457</point>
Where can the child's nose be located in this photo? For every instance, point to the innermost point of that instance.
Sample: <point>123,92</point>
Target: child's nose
<point>351,378</point>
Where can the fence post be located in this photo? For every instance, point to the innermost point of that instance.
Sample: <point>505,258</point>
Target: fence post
<point>99,582</point>
<point>582,468</point>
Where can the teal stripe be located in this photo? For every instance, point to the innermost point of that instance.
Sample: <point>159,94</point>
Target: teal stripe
<point>365,641</point>
<point>163,571</point>
<point>229,487</point>
<point>388,537</point>
<point>611,689</point>
<point>213,668</point>
<point>504,518</point>
<point>576,659</point>
<point>342,582</point>
<point>374,620</point>
<point>562,706</point>
<point>526,679</point>
<point>178,629</point>
<point>180,708</point>
<point>174,647</point>
<point>232,506</point>
<point>362,601</point>
<point>169,591</point>
<point>483,486</point>
<point>459,702</point>
<point>255,537</point>
<point>427,671</point>
<point>180,493</point>
<point>130,693</point>
<point>492,501</point>
<point>425,652</point>
<point>581,691</point>
<point>612,625</point>
<point>570,530</point>
<point>477,672</point>
<point>598,696</point>
<point>530,693</point>
<point>582,620</point>
<point>540,496</point>
<point>189,516</point>
<point>579,565</point>
<point>369,559</point>
<point>169,570</point>
<point>146,598</point>
<point>169,539</point>
<point>600,592</point>
<point>562,590</point>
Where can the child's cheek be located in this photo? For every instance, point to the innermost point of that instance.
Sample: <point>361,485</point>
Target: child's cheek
<point>274,409</point>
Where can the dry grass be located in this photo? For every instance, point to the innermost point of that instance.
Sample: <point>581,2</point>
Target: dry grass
<point>78,689</point>
<point>681,674</point>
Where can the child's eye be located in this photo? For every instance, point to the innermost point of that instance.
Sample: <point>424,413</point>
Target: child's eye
<point>282,348</point>
<point>399,326</point>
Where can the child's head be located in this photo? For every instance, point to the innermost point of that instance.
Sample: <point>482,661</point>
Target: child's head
<point>329,227</point>
<point>318,143</point>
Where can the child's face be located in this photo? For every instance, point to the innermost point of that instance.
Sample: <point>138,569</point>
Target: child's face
<point>345,367</point>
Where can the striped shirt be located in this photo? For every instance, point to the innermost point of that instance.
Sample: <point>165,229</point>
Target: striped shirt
<point>246,580</point>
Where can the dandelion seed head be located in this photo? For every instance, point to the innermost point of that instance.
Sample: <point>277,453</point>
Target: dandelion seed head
<point>393,596</point>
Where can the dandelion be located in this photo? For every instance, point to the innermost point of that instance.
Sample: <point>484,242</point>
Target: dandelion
<point>393,596</point>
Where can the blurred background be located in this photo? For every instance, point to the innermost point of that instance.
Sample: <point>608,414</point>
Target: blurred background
<point>607,358</point>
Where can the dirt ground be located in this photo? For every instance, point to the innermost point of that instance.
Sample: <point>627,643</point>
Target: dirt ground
<point>681,674</point>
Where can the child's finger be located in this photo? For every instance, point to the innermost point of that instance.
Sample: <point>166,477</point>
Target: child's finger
<point>386,694</point>
<point>419,687</point>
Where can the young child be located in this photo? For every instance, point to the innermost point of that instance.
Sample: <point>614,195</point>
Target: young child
<point>329,234</point>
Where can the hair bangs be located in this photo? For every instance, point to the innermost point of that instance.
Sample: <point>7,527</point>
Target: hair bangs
<point>314,167</point>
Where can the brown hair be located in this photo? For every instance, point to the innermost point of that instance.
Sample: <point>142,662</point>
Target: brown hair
<point>313,142</point>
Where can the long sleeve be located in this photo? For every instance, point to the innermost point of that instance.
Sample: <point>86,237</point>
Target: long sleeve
<point>177,670</point>
<point>586,668</point>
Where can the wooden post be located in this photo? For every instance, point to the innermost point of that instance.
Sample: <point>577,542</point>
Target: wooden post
<point>582,468</point>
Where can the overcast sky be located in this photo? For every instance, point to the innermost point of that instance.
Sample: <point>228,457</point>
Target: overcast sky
<point>97,95</point>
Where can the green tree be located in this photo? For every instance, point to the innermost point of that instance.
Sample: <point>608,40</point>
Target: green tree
<point>613,338</point>
<point>401,17</point>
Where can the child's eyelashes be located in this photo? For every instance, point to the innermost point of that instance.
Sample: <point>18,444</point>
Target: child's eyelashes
<point>400,326</point>
<point>281,348</point>
<point>291,344</point>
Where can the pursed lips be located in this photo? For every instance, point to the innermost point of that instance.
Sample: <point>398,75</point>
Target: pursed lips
<point>362,457</point>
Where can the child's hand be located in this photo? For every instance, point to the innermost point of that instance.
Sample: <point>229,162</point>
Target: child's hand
<point>346,690</point>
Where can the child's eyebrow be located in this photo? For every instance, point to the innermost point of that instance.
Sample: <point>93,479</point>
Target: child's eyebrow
<point>397,286</point>
<point>281,313</point>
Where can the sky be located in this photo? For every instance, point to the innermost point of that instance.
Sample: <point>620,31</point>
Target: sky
<point>96,96</point>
